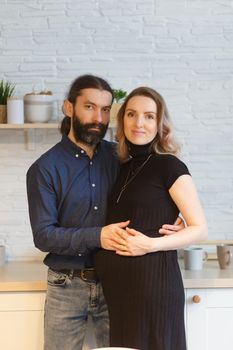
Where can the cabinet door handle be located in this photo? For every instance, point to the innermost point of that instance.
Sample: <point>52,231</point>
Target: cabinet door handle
<point>196,299</point>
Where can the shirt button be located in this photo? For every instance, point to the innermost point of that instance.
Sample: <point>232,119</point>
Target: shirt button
<point>91,163</point>
<point>93,185</point>
<point>76,155</point>
<point>79,254</point>
<point>95,207</point>
<point>82,151</point>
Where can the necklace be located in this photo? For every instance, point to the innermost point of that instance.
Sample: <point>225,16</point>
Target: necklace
<point>129,179</point>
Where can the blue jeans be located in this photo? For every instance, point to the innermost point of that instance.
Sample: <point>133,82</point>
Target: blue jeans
<point>69,302</point>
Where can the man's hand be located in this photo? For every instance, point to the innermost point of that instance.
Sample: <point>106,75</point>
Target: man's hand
<point>170,229</point>
<point>112,236</point>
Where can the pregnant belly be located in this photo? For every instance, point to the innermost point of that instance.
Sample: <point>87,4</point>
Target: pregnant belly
<point>139,277</point>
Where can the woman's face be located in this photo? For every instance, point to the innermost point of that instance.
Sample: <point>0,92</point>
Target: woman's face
<point>140,120</point>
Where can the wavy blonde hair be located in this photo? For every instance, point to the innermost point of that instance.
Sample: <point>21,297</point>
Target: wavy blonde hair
<point>164,141</point>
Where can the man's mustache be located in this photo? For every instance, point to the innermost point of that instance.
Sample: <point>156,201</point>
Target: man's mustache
<point>99,126</point>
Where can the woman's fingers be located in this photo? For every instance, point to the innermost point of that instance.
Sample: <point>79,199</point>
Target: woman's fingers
<point>131,231</point>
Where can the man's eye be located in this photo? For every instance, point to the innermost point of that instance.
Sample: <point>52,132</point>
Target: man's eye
<point>89,107</point>
<point>107,110</point>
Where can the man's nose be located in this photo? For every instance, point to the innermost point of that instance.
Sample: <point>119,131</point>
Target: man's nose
<point>98,116</point>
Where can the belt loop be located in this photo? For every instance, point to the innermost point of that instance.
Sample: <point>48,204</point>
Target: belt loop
<point>71,274</point>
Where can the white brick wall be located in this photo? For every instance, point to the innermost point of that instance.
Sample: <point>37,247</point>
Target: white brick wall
<point>183,48</point>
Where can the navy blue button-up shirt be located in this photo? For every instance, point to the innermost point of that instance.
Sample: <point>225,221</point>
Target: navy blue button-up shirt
<point>67,197</point>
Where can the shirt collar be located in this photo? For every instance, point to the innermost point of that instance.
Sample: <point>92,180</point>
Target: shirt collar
<point>74,149</point>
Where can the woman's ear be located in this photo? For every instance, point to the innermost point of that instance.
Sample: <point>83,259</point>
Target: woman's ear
<point>68,108</point>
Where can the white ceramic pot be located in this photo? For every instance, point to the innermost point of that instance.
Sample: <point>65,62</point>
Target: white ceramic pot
<point>38,108</point>
<point>15,110</point>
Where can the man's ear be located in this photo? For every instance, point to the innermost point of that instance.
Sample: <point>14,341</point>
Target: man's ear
<point>68,108</point>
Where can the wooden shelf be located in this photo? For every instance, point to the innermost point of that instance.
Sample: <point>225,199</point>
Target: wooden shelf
<point>30,130</point>
<point>31,126</point>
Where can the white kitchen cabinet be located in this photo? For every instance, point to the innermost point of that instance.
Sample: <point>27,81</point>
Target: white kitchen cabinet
<point>209,318</point>
<point>21,320</point>
<point>208,315</point>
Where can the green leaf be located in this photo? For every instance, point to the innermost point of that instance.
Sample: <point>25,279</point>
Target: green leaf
<point>119,95</point>
<point>6,90</point>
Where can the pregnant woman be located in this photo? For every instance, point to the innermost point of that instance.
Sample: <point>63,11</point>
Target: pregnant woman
<point>141,279</point>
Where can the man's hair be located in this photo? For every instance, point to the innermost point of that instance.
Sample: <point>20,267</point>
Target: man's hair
<point>86,81</point>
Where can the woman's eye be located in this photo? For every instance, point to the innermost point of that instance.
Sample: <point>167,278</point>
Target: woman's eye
<point>130,114</point>
<point>150,116</point>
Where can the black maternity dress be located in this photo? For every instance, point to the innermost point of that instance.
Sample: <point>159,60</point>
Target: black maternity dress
<point>145,294</point>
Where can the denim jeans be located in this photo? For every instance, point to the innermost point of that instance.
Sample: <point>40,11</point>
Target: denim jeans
<point>69,303</point>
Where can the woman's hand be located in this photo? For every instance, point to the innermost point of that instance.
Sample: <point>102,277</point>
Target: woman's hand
<point>113,236</point>
<point>136,243</point>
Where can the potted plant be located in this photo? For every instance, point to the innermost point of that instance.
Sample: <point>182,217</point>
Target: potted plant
<point>6,91</point>
<point>119,96</point>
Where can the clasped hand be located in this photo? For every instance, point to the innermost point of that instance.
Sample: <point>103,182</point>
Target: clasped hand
<point>129,242</point>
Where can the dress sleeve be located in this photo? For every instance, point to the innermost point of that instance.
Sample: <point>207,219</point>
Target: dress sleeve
<point>174,168</point>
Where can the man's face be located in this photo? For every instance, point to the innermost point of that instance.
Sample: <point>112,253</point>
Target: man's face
<point>91,114</point>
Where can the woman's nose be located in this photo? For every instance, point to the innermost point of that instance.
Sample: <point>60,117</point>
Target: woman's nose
<point>139,121</point>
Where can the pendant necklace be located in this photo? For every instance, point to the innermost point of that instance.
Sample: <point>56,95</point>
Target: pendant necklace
<point>129,179</point>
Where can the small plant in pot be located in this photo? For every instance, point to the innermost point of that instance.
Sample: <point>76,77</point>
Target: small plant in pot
<point>119,96</point>
<point>6,91</point>
<point>38,107</point>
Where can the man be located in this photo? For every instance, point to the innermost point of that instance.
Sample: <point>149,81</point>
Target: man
<point>67,190</point>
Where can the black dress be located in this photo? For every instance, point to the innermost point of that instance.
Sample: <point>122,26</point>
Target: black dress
<point>145,294</point>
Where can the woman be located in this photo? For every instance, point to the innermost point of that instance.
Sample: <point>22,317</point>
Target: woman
<point>142,281</point>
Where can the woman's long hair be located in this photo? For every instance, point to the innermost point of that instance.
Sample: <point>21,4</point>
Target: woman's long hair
<point>164,141</point>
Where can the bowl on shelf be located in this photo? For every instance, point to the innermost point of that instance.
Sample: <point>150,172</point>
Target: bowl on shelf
<point>38,108</point>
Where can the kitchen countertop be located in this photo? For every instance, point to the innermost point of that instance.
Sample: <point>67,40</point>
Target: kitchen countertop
<point>18,276</point>
<point>211,276</point>
<point>31,276</point>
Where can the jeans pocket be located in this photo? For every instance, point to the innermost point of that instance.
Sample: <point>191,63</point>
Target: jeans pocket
<point>57,279</point>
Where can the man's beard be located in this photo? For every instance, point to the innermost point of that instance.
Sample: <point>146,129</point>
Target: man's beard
<point>84,134</point>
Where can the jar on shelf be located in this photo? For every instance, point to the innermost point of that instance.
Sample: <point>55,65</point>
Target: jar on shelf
<point>15,110</point>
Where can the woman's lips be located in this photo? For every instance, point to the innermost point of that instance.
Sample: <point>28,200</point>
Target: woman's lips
<point>138,133</point>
